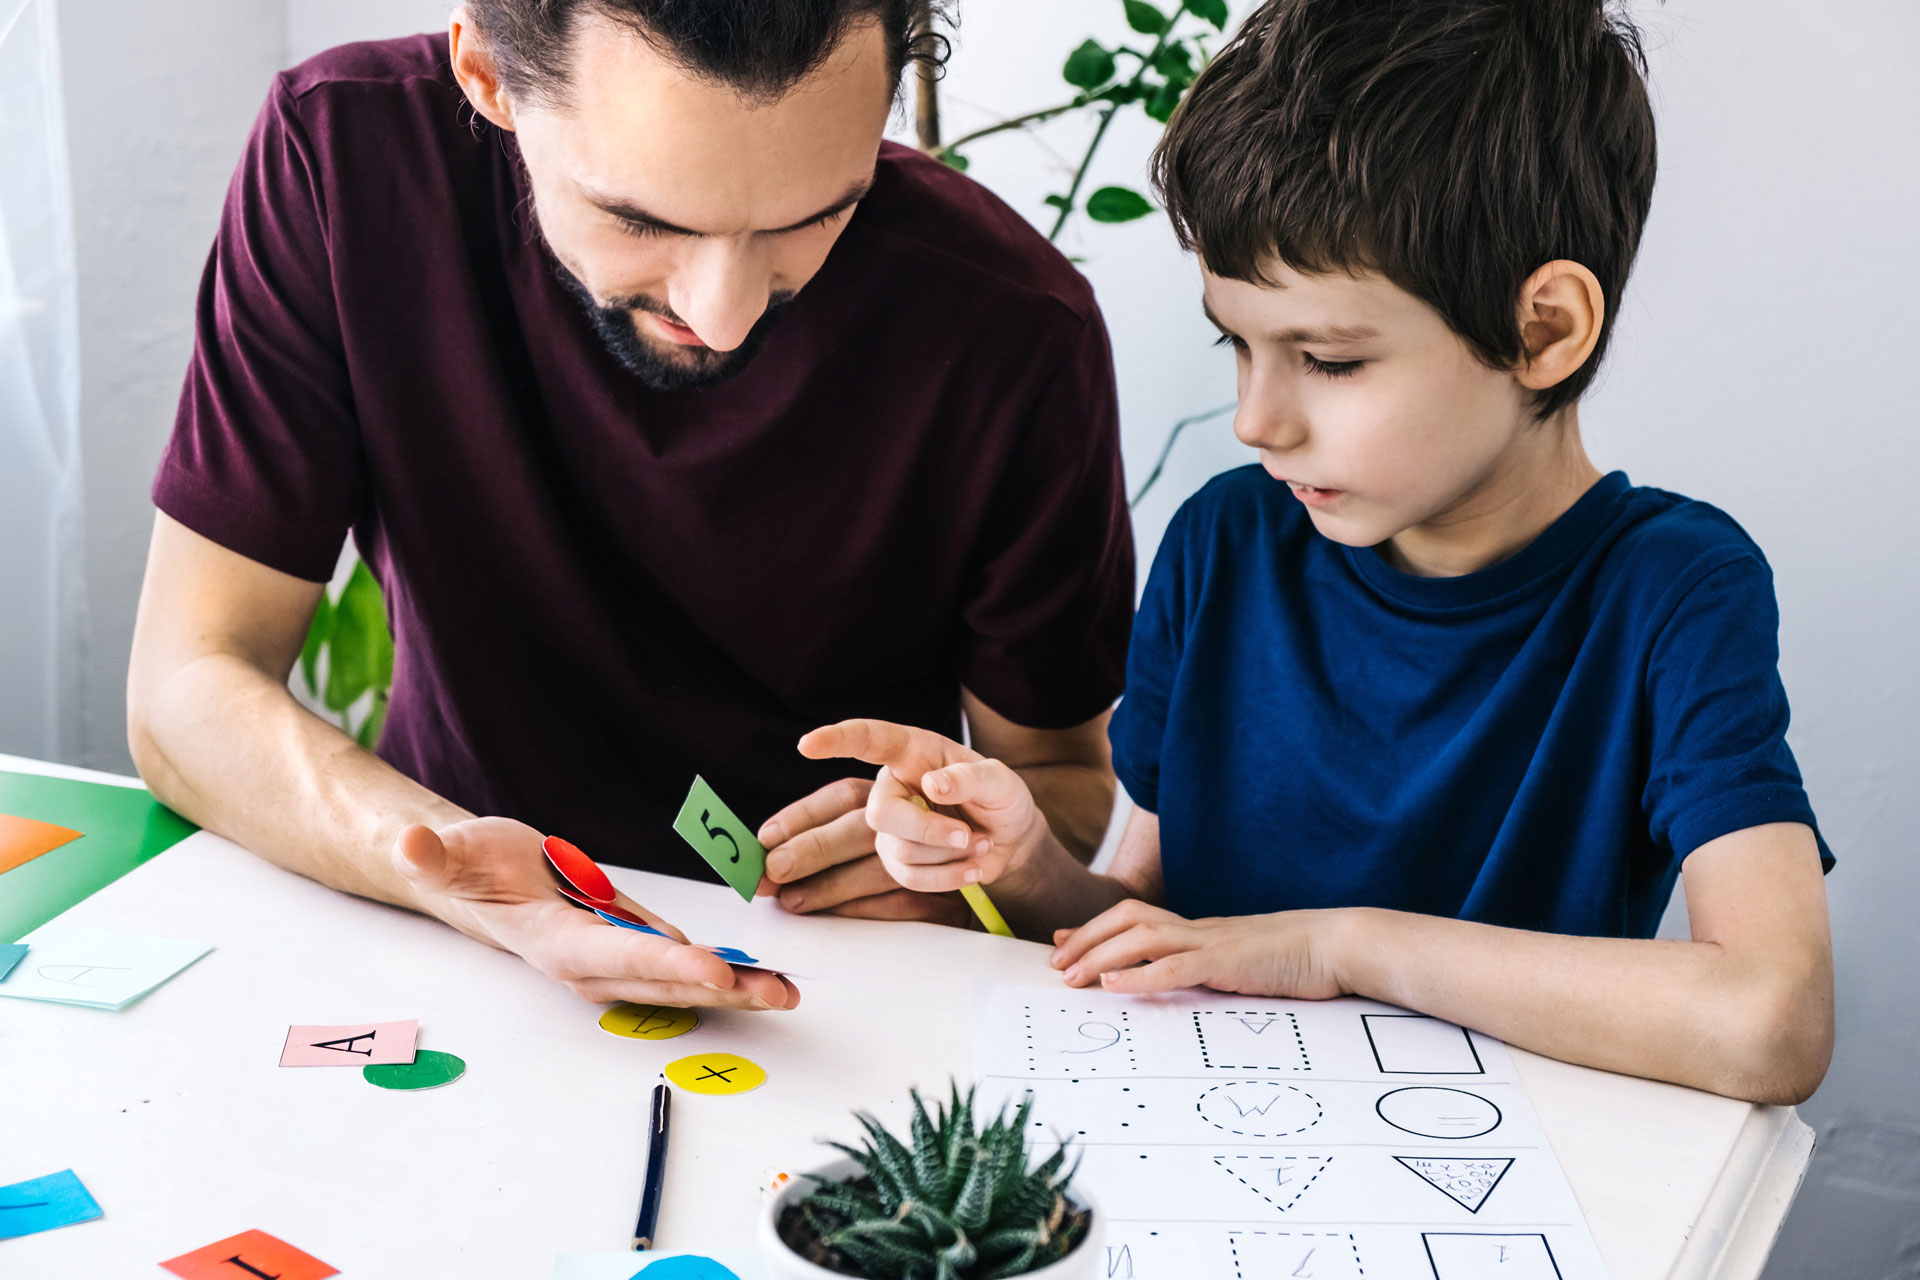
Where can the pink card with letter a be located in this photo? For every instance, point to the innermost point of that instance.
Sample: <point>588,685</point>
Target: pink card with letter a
<point>362,1044</point>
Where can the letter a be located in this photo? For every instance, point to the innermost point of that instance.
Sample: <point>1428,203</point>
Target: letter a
<point>346,1046</point>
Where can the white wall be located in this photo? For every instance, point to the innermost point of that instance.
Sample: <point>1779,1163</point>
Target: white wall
<point>1765,362</point>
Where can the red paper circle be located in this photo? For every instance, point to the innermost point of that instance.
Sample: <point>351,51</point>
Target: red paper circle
<point>578,870</point>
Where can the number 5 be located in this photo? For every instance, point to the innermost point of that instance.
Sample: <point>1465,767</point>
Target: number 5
<point>720,833</point>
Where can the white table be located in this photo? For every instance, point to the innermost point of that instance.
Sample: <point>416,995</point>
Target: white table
<point>177,1117</point>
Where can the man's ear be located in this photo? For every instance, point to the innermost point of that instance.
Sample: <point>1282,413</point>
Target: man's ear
<point>1561,308</point>
<point>474,68</point>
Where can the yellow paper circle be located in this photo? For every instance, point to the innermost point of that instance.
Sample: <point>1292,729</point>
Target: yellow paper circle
<point>715,1073</point>
<point>649,1021</point>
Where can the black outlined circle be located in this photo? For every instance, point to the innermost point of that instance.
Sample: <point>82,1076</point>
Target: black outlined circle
<point>1380,1108</point>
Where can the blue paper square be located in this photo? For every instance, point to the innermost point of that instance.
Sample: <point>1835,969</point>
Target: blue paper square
<point>41,1204</point>
<point>10,954</point>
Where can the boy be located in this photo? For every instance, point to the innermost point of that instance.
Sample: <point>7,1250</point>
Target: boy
<point>1424,708</point>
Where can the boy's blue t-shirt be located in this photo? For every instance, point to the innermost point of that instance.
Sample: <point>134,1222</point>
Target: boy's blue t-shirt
<point>1537,745</point>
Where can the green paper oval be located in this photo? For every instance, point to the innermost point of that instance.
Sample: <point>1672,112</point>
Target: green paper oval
<point>429,1069</point>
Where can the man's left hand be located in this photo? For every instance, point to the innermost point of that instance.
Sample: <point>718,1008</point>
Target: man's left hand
<point>820,857</point>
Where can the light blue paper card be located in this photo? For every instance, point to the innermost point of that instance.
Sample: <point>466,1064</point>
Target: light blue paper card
<point>97,969</point>
<point>10,956</point>
<point>725,1264</point>
<point>41,1204</point>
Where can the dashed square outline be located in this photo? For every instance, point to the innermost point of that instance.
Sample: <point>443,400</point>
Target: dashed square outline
<point>1206,1060</point>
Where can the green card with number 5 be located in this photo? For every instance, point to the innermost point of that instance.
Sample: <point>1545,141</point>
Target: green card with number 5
<point>723,840</point>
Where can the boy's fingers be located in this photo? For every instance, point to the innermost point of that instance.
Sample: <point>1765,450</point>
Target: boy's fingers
<point>1134,946</point>
<point>1114,920</point>
<point>891,811</point>
<point>941,878</point>
<point>987,784</point>
<point>912,751</point>
<point>1169,973</point>
<point>816,810</point>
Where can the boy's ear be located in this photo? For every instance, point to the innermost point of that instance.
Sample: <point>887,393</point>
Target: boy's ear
<point>473,67</point>
<point>1561,308</point>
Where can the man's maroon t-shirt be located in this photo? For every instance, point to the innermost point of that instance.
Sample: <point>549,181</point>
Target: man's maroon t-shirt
<point>597,589</point>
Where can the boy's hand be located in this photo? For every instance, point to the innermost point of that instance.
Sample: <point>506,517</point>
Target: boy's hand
<point>986,822</point>
<point>820,857</point>
<point>1137,948</point>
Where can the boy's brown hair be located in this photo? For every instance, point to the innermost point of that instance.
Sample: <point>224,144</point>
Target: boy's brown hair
<point>1454,146</point>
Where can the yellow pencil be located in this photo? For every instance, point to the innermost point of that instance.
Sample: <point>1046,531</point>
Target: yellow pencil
<point>977,898</point>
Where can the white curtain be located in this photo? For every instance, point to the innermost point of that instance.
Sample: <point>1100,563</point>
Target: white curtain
<point>43,608</point>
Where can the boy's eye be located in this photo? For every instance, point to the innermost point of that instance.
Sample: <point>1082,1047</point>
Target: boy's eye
<point>1228,340</point>
<point>1331,368</point>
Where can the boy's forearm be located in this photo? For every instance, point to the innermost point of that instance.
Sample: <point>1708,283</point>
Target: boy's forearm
<point>230,748</point>
<point>1054,890</point>
<point>1689,1012</point>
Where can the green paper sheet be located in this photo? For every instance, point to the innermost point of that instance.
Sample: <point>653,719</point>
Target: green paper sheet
<point>121,827</point>
<point>723,840</point>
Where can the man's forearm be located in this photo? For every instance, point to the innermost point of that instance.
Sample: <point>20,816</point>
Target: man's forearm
<point>1690,1012</point>
<point>1078,802</point>
<point>230,748</point>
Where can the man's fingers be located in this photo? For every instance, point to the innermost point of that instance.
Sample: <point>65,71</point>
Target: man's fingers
<point>836,885</point>
<point>658,922</point>
<point>904,904</point>
<point>816,810</point>
<point>587,947</point>
<point>757,990</point>
<point>843,840</point>
<point>908,750</point>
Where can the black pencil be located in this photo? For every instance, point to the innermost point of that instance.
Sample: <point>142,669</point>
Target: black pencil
<point>656,1168</point>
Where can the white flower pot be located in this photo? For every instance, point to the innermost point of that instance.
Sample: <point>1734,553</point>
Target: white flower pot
<point>784,1264</point>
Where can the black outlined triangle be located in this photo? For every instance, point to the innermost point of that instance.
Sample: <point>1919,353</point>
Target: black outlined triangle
<point>1466,1180</point>
<point>1279,1180</point>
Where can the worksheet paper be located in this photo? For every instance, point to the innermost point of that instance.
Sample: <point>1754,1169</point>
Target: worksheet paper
<point>1224,1136</point>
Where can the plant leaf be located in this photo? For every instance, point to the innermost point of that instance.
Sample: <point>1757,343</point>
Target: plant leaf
<point>317,632</point>
<point>1089,66</point>
<point>1117,204</point>
<point>370,728</point>
<point>1057,202</point>
<point>1144,18</point>
<point>1214,11</point>
<point>954,160</point>
<point>1175,62</point>
<point>1165,98</point>
<point>359,631</point>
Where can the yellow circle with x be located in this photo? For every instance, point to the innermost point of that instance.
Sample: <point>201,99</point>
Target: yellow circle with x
<point>649,1021</point>
<point>716,1073</point>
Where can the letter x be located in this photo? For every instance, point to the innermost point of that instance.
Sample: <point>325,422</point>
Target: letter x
<point>721,1076</point>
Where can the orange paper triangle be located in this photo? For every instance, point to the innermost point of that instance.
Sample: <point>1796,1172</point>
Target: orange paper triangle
<point>24,839</point>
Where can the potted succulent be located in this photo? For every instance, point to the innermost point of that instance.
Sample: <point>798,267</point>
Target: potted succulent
<point>956,1204</point>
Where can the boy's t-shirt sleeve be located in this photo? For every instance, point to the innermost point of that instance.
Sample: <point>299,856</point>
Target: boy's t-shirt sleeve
<point>265,453</point>
<point>1719,760</point>
<point>1138,729</point>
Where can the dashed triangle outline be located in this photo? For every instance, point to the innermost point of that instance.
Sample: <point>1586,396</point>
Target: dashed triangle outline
<point>1220,1162</point>
<point>1484,1195</point>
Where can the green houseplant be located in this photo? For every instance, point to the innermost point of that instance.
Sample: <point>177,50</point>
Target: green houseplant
<point>957,1203</point>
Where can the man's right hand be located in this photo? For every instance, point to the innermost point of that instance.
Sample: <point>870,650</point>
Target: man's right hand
<point>488,878</point>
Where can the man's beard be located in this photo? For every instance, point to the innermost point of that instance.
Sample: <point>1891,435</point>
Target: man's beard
<point>689,368</point>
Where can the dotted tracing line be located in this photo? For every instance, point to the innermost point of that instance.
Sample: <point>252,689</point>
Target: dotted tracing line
<point>1125,1041</point>
<point>1241,1273</point>
<point>1199,1107</point>
<point>1206,1058</point>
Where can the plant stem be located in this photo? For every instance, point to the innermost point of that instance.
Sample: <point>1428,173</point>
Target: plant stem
<point>1166,449</point>
<point>1106,118</point>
